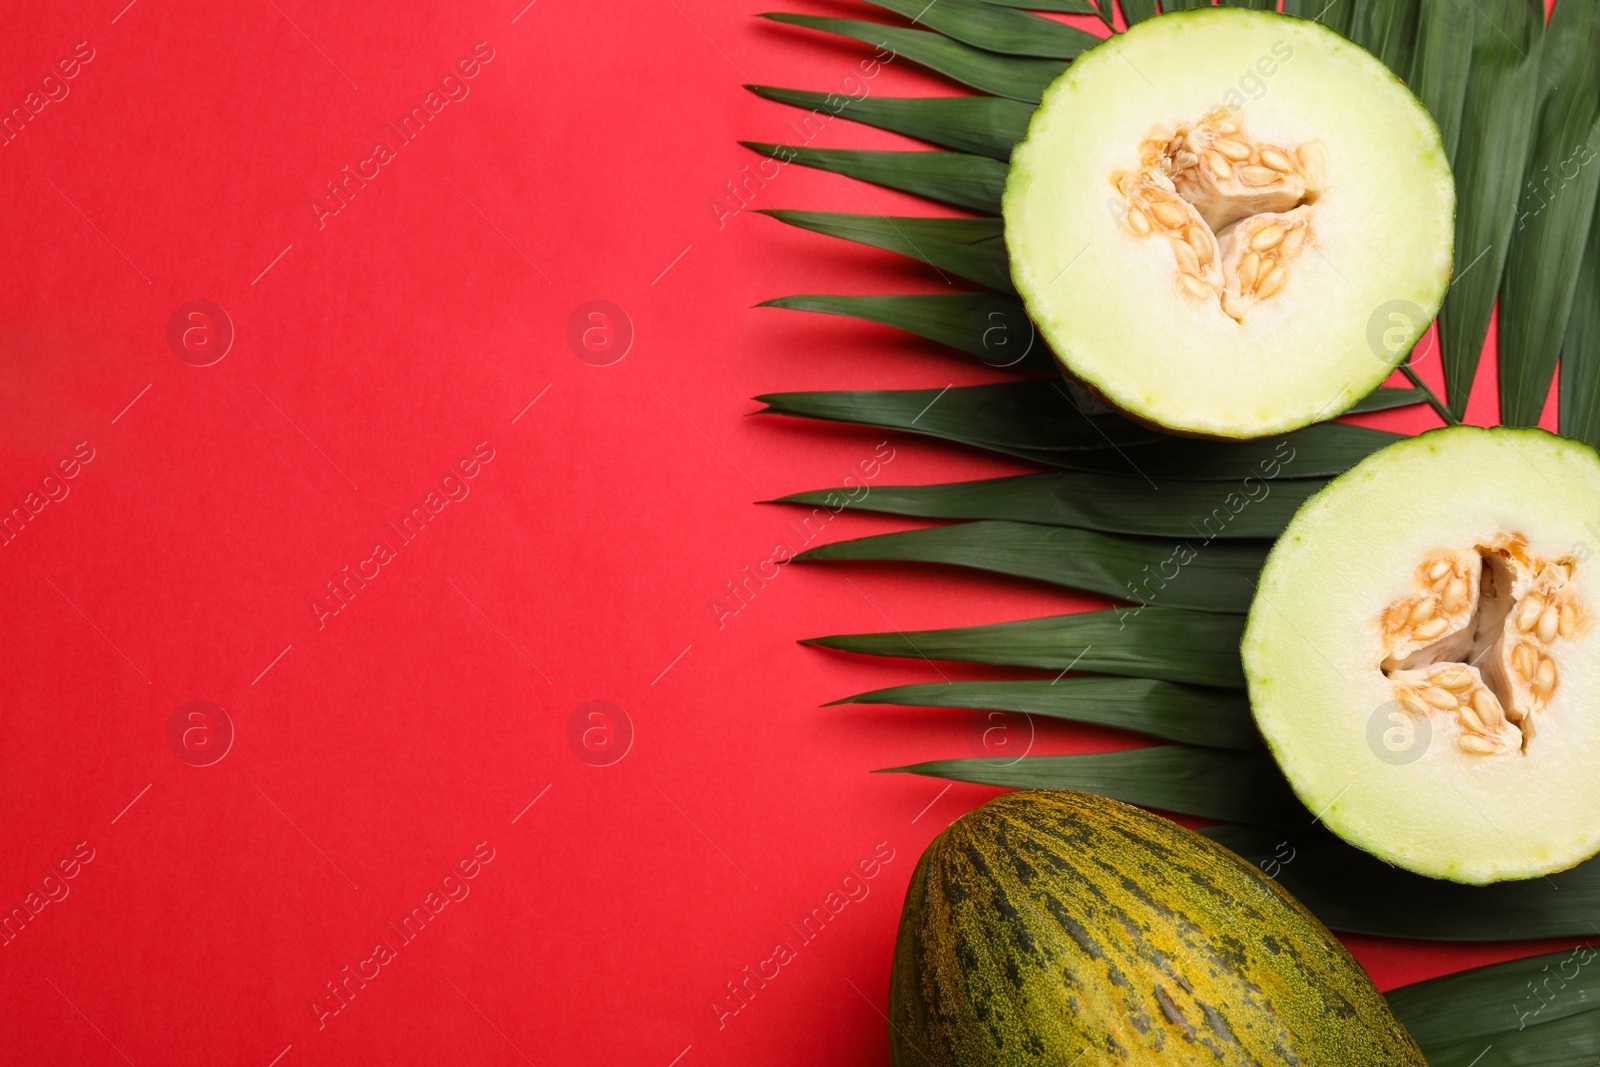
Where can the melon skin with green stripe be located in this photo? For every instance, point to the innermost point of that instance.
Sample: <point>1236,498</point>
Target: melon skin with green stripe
<point>1230,223</point>
<point>1052,927</point>
<point>1422,654</point>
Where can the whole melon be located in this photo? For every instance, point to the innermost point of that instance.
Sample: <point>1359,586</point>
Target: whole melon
<point>1050,927</point>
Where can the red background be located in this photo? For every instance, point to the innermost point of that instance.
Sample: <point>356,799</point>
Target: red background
<point>371,354</point>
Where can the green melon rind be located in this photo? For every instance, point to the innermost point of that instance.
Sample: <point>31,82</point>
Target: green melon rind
<point>1047,925</point>
<point>1060,341</point>
<point>1259,665</point>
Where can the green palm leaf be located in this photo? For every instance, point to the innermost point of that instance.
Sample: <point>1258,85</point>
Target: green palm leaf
<point>1443,61</point>
<point>1553,219</point>
<point>1039,421</point>
<point>1352,891</point>
<point>1215,577</point>
<point>986,125</point>
<point>1334,14</point>
<point>1218,718</point>
<point>1009,76</point>
<point>995,28</point>
<point>1491,1002</point>
<point>1387,29</point>
<point>1570,1042</point>
<point>1211,783</point>
<point>1170,644</point>
<point>1386,397</point>
<point>1200,510</point>
<point>993,329</point>
<point>955,178</point>
<point>1496,134</point>
<point>1580,351</point>
<point>1137,10</point>
<point>1065,7</point>
<point>974,249</point>
<point>1032,416</point>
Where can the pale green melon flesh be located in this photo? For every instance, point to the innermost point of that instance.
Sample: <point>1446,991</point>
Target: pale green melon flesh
<point>1107,304</point>
<point>1316,684</point>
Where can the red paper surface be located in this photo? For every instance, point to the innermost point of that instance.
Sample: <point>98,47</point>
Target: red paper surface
<point>625,868</point>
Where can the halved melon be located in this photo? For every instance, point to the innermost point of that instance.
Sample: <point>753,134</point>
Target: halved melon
<point>1423,659</point>
<point>1230,222</point>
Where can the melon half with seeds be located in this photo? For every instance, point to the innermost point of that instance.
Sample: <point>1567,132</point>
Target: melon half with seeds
<point>1230,222</point>
<point>1422,654</point>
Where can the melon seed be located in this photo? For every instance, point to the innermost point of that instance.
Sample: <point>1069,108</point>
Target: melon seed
<point>1442,699</point>
<point>1528,612</point>
<point>1544,679</point>
<point>1478,746</point>
<point>1219,165</point>
<point>1273,281</point>
<point>1186,256</point>
<point>1488,708</point>
<point>1454,678</point>
<point>1524,660</point>
<point>1267,237</point>
<point>1455,595</point>
<point>1168,214</point>
<point>1234,150</point>
<point>1194,286</point>
<point>1569,620</point>
<point>1422,612</point>
<point>1549,624</point>
<point>1291,243</point>
<point>1138,222</point>
<point>1253,175</point>
<point>1439,569</point>
<point>1471,721</point>
<point>1276,160</point>
<point>1249,270</point>
<point>1199,239</point>
<point>1412,703</point>
<point>1431,629</point>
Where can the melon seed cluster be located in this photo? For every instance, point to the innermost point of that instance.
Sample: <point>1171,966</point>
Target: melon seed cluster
<point>1235,212</point>
<point>1476,639</point>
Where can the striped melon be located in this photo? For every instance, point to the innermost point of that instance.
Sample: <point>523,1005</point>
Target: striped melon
<point>1060,928</point>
